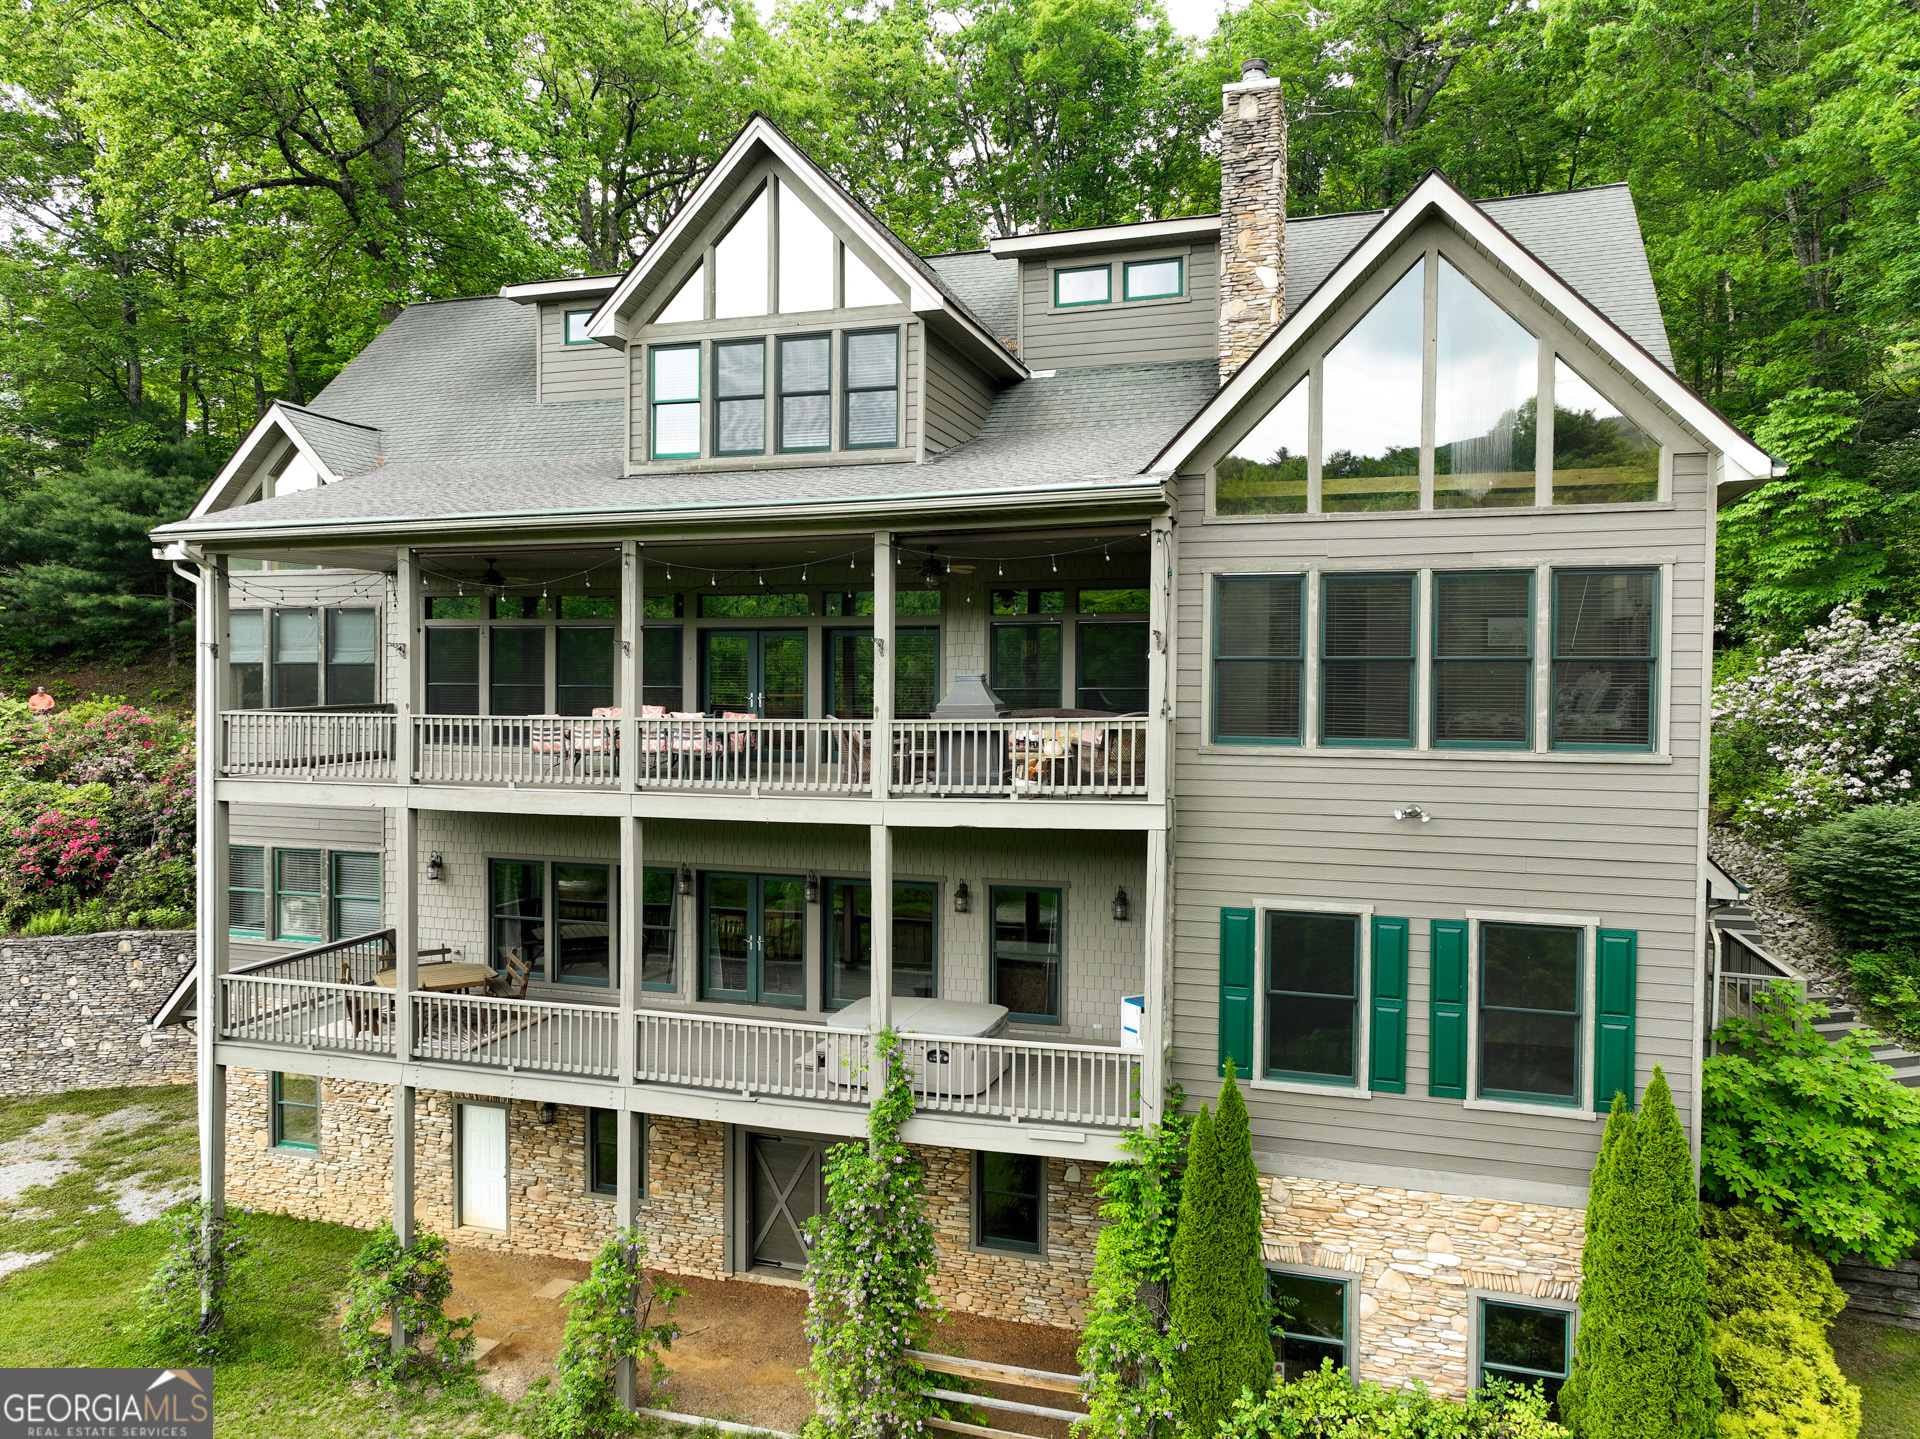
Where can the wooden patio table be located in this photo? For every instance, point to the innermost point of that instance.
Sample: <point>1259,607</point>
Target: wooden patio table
<point>437,977</point>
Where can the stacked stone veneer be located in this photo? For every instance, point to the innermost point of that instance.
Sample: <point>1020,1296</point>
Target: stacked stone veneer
<point>1253,215</point>
<point>74,1009</point>
<point>1418,1258</point>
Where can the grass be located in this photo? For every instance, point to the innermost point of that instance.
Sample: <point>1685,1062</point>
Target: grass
<point>1884,1361</point>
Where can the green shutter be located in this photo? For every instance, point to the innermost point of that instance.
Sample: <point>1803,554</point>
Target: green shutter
<point>1613,1017</point>
<point>1236,989</point>
<point>1447,1016</point>
<point>1387,1042</point>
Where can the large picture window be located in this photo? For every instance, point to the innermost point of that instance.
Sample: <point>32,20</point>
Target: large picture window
<point>1530,1013</point>
<point>1482,659</point>
<point>1603,658</point>
<point>1026,952</point>
<point>1313,997</point>
<point>1257,659</point>
<point>1367,666</point>
<point>558,915</point>
<point>849,919</point>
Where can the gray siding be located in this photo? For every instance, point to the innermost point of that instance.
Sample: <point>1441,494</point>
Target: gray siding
<point>958,397</point>
<point>1119,333</point>
<point>575,372</point>
<point>1615,838</point>
<point>361,831</point>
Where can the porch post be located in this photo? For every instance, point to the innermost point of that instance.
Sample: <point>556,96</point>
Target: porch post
<point>880,1005</point>
<point>406,955</point>
<point>210,933</point>
<point>1156,928</point>
<point>1159,658</point>
<point>633,587</point>
<point>882,669</point>
<point>630,915</point>
<point>410,636</point>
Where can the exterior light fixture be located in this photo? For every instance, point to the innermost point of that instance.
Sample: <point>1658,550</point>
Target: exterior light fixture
<point>686,879</point>
<point>961,898</point>
<point>436,867</point>
<point>813,887</point>
<point>548,1113</point>
<point>1122,906</point>
<point>1412,811</point>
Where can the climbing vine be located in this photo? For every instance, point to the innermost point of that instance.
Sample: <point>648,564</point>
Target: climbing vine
<point>186,1299</point>
<point>609,1316</point>
<point>1127,1347</point>
<point>412,1283</point>
<point>868,1271</point>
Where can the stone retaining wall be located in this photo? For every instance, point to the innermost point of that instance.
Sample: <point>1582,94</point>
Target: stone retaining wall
<point>75,1011</point>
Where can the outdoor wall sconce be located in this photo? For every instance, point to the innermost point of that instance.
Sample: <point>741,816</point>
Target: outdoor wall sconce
<point>813,887</point>
<point>1412,811</point>
<point>686,879</point>
<point>436,867</point>
<point>961,899</point>
<point>1122,906</point>
<point>547,1113</point>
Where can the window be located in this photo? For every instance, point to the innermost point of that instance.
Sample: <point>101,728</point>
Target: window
<point>689,302</point>
<point>603,1151</point>
<point>740,392</point>
<point>1029,602</point>
<point>299,894</point>
<point>576,327</point>
<point>862,288</point>
<point>1367,659</point>
<point>582,669</point>
<point>762,605</point>
<point>873,390</point>
<point>806,401</point>
<point>754,938</point>
<point>1530,1013</point>
<point>1525,1345</point>
<point>659,930</point>
<point>1266,473</point>
<point>849,918</point>
<point>916,672</point>
<point>296,1111</point>
<point>351,652</point>
<point>519,910</point>
<point>1603,657</point>
<point>1114,602</point>
<point>588,607</point>
<point>1026,953</point>
<point>521,607</point>
<point>247,890</point>
<point>860,602</point>
<point>1313,997</point>
<point>1482,659</point>
<point>454,607</point>
<point>1025,666</point>
<point>676,401</point>
<point>1485,417</point>
<point>1009,1201</point>
<point>1256,659</point>
<point>583,921</point>
<point>1110,670</point>
<point>740,264</point>
<point>1309,1322</point>
<point>356,894</point>
<point>453,671</point>
<point>660,673</point>
<point>1599,455</point>
<point>1370,411</point>
<point>246,658</point>
<point>517,659</point>
<point>806,256</point>
<point>1153,279</point>
<point>296,658</point>
<point>1090,285</point>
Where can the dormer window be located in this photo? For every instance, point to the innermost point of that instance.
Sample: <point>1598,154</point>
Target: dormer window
<point>1087,285</point>
<point>576,326</point>
<point>1154,279</point>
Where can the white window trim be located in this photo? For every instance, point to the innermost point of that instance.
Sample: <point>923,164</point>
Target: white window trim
<point>1589,926</point>
<point>1363,990</point>
<point>459,1162</point>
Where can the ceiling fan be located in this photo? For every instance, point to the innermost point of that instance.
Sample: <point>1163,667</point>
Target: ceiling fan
<point>937,569</point>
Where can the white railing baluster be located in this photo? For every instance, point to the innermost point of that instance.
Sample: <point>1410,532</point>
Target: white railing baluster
<point>1064,758</point>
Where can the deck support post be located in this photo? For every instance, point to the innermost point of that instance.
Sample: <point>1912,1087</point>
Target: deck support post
<point>633,882</point>
<point>880,988</point>
<point>411,641</point>
<point>1157,930</point>
<point>403,1127</point>
<point>210,940</point>
<point>633,584</point>
<point>406,956</point>
<point>883,563</point>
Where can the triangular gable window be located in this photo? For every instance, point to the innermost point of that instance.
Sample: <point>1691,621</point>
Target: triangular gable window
<point>806,257</point>
<point>740,265</point>
<point>689,302</point>
<point>1371,419</point>
<point>1599,455</point>
<point>863,287</point>
<point>1488,375</point>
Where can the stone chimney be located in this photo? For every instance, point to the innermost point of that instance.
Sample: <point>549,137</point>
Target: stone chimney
<point>1253,214</point>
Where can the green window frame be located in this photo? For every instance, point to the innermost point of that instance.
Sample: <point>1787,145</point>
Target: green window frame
<point>299,894</point>
<point>517,911</point>
<point>1010,1202</point>
<point>659,930</point>
<point>295,1112</point>
<point>1259,658</point>
<point>1312,1321</point>
<point>247,890</point>
<point>674,397</point>
<point>355,900</point>
<point>1606,667</point>
<point>1525,1344</point>
<point>1483,673</point>
<point>1312,988</point>
<point>1369,691</point>
<point>870,362</point>
<point>1518,1015</point>
<point>740,397</point>
<point>661,680</point>
<point>806,392</point>
<point>603,1152</point>
<point>1105,297</point>
<point>573,333</point>
<point>1030,947</point>
<point>1179,289</point>
<point>847,918</point>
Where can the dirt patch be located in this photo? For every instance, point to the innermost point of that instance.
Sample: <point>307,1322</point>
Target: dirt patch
<point>51,1148</point>
<point>742,1348</point>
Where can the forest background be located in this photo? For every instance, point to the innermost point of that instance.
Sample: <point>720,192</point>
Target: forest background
<point>207,205</point>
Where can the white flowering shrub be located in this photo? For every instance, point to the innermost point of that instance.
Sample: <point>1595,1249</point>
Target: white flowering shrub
<point>1838,717</point>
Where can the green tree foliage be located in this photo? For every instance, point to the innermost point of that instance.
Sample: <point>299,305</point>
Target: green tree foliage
<point>1641,1361</point>
<point>188,1299</point>
<point>609,1319</point>
<point>1219,1300</point>
<point>408,1284</point>
<point>1861,873</point>
<point>1818,1136</point>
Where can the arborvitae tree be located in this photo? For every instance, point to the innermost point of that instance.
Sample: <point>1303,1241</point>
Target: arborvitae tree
<point>1219,1301</point>
<point>1642,1363</point>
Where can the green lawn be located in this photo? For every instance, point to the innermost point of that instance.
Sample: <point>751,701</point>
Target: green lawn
<point>1885,1362</point>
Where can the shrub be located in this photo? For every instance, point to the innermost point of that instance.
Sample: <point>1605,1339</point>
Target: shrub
<point>1641,1361</point>
<point>1328,1405</point>
<point>608,1320</point>
<point>1219,1298</point>
<point>1887,982</point>
<point>63,853</point>
<point>1816,1135</point>
<point>185,1302</point>
<point>1861,873</point>
<point>410,1283</point>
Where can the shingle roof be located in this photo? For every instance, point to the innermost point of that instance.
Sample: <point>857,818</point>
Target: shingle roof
<point>988,286</point>
<point>344,446</point>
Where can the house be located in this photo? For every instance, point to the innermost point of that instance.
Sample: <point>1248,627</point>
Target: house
<point>1227,637</point>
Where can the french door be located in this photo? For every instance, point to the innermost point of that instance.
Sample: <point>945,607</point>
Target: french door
<point>758,672</point>
<point>753,938</point>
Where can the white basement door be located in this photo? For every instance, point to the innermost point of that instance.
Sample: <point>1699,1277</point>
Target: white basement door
<point>483,1166</point>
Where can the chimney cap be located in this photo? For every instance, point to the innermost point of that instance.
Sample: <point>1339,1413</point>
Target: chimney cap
<point>1253,68</point>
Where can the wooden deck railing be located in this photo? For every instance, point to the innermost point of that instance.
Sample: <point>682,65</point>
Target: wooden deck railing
<point>293,744</point>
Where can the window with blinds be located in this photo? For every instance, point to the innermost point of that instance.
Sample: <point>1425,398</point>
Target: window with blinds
<point>246,659</point>
<point>1482,659</point>
<point>675,401</point>
<point>1257,659</point>
<point>740,397</point>
<point>247,890</point>
<point>352,649</point>
<point>299,896</point>
<point>1367,660</point>
<point>517,678</point>
<point>296,658</point>
<point>1603,658</point>
<point>1024,666</point>
<point>806,401</point>
<point>453,671</point>
<point>873,390</point>
<point>356,894</point>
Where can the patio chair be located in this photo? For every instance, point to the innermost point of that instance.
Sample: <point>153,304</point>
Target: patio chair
<point>367,1010</point>
<point>512,984</point>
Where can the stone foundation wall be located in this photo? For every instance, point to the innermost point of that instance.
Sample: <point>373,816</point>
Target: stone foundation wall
<point>1418,1257</point>
<point>1049,1288</point>
<point>74,1008</point>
